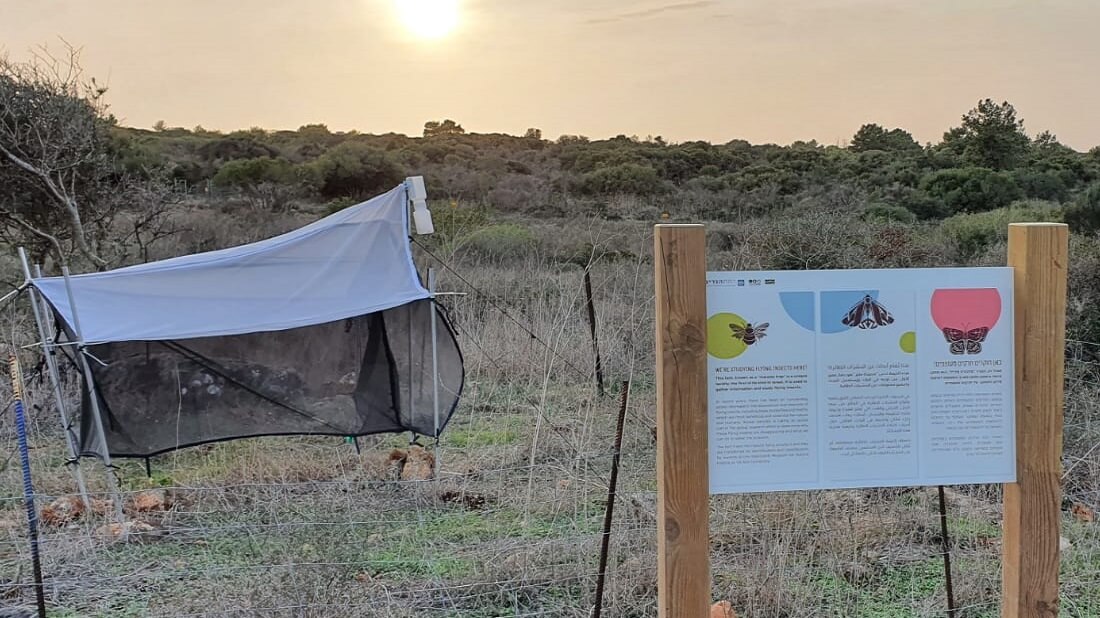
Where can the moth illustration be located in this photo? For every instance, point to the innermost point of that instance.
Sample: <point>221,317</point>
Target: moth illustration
<point>748,333</point>
<point>868,313</point>
<point>965,341</point>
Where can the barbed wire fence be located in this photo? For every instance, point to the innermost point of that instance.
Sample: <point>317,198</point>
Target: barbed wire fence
<point>511,526</point>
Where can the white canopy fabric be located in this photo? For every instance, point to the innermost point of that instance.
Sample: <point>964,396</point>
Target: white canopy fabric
<point>351,263</point>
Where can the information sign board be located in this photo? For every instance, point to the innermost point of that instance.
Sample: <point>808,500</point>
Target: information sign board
<point>860,378</point>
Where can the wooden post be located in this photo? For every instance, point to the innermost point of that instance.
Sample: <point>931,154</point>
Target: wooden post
<point>683,491</point>
<point>1032,505</point>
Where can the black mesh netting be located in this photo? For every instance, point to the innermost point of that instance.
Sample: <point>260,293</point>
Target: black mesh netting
<point>363,375</point>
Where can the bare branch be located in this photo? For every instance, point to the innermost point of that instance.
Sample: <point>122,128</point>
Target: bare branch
<point>37,232</point>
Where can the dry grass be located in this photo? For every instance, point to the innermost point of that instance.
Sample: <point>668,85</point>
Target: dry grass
<point>304,527</point>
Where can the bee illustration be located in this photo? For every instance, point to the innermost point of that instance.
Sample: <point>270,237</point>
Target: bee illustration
<point>868,313</point>
<point>748,333</point>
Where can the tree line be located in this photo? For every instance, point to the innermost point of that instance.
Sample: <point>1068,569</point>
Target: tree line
<point>986,162</point>
<point>75,182</point>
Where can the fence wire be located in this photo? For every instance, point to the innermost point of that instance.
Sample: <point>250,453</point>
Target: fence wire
<point>511,526</point>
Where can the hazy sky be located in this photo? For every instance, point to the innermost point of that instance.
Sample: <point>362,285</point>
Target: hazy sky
<point>762,70</point>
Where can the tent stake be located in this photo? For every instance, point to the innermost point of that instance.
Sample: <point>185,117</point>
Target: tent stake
<point>112,477</point>
<point>49,352</point>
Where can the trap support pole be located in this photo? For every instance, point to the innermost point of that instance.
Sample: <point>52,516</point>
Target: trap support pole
<point>49,352</point>
<point>1039,252</point>
<point>683,490</point>
<point>90,390</point>
<point>435,370</point>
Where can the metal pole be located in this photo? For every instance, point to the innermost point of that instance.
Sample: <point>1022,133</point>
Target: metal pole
<point>612,488</point>
<point>435,353</point>
<point>435,369</point>
<point>28,487</point>
<point>112,478</point>
<point>55,380</point>
<point>592,328</point>
<point>946,556</point>
<point>12,294</point>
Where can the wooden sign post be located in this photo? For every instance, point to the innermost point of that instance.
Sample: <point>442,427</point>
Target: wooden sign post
<point>1032,505</point>
<point>683,490</point>
<point>1039,254</point>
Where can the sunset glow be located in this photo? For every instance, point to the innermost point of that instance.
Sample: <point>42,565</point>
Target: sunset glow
<point>428,19</point>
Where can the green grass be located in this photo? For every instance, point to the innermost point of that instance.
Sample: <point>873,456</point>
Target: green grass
<point>495,432</point>
<point>1080,572</point>
<point>889,593</point>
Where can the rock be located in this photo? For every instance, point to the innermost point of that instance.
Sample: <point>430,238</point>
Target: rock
<point>64,510</point>
<point>130,530</point>
<point>103,507</point>
<point>470,500</point>
<point>413,464</point>
<point>419,464</point>
<point>1064,544</point>
<point>395,463</point>
<point>722,609</point>
<point>150,501</point>
<point>1083,513</point>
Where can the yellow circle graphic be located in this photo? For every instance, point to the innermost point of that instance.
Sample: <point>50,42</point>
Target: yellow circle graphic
<point>908,342</point>
<point>720,340</point>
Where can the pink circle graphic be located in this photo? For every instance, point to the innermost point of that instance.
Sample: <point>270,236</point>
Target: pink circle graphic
<point>965,309</point>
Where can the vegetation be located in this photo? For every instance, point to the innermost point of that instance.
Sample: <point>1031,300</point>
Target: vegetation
<point>987,162</point>
<point>306,527</point>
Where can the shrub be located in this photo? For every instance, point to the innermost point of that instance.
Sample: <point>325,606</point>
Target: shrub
<point>888,212</point>
<point>632,178</point>
<point>1083,216</point>
<point>334,206</point>
<point>921,204</point>
<point>267,184</point>
<point>504,241</point>
<point>972,189</point>
<point>814,241</point>
<point>243,173</point>
<point>1041,185</point>
<point>1083,310</point>
<point>973,233</point>
<point>353,170</point>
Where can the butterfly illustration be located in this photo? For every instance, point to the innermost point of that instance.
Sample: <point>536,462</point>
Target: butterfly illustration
<point>868,313</point>
<point>748,333</point>
<point>965,341</point>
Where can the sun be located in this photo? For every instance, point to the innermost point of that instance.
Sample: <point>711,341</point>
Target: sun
<point>428,19</point>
